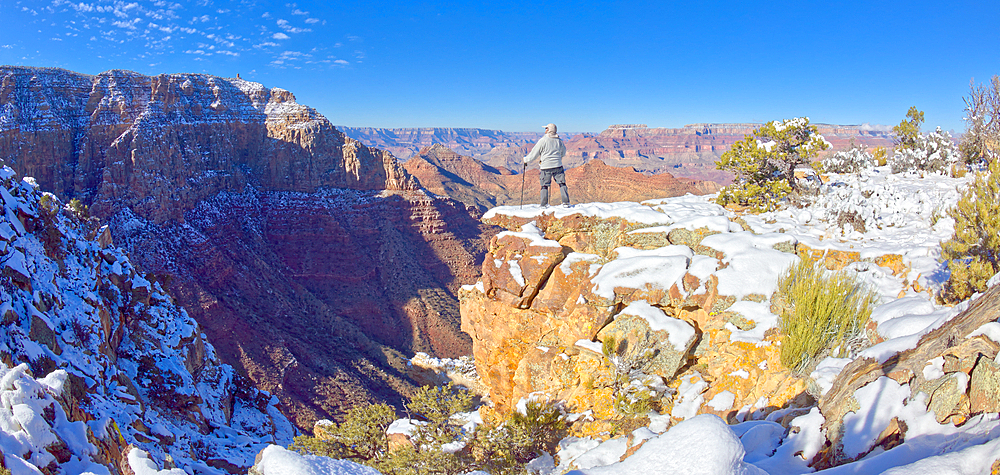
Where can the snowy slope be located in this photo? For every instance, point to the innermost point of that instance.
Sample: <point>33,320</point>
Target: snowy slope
<point>100,369</point>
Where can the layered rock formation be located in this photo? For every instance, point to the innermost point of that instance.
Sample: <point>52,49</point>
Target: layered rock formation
<point>313,261</point>
<point>97,360</point>
<point>446,173</point>
<point>405,143</point>
<point>690,151</point>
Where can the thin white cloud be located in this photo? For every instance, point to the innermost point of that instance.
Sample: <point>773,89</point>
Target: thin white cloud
<point>299,12</point>
<point>280,36</point>
<point>312,21</point>
<point>341,62</point>
<point>128,25</point>
<point>285,25</point>
<point>265,44</point>
<point>82,7</point>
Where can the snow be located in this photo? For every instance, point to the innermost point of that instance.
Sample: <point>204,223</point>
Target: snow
<point>702,445</point>
<point>689,397</point>
<point>628,211</point>
<point>754,266</point>
<point>658,268</point>
<point>276,460</point>
<point>531,232</point>
<point>827,370</point>
<point>679,332</point>
<point>722,401</point>
<point>141,464</point>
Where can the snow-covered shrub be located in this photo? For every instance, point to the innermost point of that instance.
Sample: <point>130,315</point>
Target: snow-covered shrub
<point>934,152</point>
<point>849,161</point>
<point>973,253</point>
<point>823,311</point>
<point>764,163</point>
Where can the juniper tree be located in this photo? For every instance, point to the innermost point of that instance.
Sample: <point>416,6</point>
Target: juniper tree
<point>764,162</point>
<point>909,129</point>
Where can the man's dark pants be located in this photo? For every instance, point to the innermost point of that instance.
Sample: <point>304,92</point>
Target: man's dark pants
<point>559,175</point>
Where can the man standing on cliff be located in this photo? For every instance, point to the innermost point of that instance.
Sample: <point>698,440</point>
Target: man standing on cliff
<point>550,150</point>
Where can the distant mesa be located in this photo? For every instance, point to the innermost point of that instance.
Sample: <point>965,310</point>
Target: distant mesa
<point>444,172</point>
<point>689,152</point>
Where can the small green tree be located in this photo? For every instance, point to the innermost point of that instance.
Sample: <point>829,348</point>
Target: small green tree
<point>360,437</point>
<point>505,449</point>
<point>909,129</point>
<point>764,162</point>
<point>981,141</point>
<point>436,442</point>
<point>973,252</point>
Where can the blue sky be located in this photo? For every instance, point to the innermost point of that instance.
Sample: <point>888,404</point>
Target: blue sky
<point>516,66</point>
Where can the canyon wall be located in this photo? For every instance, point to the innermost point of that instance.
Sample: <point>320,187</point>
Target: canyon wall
<point>689,152</point>
<point>314,262</point>
<point>446,173</point>
<point>407,142</point>
<point>98,362</point>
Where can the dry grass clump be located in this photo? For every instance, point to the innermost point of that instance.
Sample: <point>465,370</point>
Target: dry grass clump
<point>826,310</point>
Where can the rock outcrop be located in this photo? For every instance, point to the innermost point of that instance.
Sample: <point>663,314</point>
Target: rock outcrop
<point>159,145</point>
<point>604,312</point>
<point>314,262</point>
<point>446,173</point>
<point>609,310</point>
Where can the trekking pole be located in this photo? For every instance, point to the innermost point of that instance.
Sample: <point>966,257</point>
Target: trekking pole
<point>523,169</point>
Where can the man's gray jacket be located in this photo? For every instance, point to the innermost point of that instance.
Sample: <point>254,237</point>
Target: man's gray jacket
<point>549,150</point>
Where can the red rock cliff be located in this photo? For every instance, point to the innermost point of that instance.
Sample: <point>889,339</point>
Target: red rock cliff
<point>313,261</point>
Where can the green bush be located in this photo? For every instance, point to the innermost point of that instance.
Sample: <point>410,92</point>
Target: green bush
<point>764,163</point>
<point>824,311</point>
<point>504,450</point>
<point>441,445</point>
<point>79,209</point>
<point>361,436</point>
<point>909,129</point>
<point>973,252</point>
